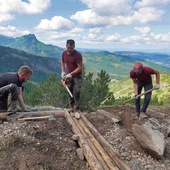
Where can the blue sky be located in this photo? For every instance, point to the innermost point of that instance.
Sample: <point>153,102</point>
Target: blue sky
<point>113,25</point>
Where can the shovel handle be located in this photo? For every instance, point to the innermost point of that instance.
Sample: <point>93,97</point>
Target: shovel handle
<point>139,95</point>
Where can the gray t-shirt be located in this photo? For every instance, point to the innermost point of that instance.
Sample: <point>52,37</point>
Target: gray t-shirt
<point>8,78</point>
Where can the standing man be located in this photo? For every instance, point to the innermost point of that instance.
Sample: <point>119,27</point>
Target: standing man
<point>142,78</point>
<point>71,71</point>
<point>11,89</point>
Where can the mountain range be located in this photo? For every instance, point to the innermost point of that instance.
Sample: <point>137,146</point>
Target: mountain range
<point>30,44</point>
<point>12,59</point>
<point>45,58</point>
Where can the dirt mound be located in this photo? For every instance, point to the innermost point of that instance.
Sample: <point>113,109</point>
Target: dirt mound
<point>35,145</point>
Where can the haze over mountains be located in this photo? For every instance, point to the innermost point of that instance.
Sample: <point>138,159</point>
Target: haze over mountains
<point>45,58</point>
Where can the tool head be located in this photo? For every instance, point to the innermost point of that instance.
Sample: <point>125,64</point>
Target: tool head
<point>52,118</point>
<point>69,82</point>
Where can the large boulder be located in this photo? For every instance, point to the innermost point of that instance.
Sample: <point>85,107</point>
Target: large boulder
<point>151,140</point>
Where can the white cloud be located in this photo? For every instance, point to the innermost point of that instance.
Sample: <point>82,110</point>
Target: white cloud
<point>143,30</point>
<point>56,23</point>
<point>114,37</point>
<point>12,31</point>
<point>145,15</point>
<point>121,12</point>
<point>30,7</point>
<point>147,3</point>
<point>109,7</point>
<point>5,17</point>
<point>146,37</point>
<point>10,7</point>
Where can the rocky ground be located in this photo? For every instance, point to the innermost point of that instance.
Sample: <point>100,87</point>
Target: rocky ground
<point>47,145</point>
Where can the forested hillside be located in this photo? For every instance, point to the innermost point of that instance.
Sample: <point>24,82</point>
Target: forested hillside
<point>30,44</point>
<point>117,66</point>
<point>12,59</point>
<point>124,89</point>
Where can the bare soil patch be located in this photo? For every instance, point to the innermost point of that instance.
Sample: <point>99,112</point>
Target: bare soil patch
<point>47,145</point>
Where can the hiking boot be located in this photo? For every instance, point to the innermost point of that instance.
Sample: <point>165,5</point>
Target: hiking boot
<point>143,115</point>
<point>137,115</point>
<point>3,116</point>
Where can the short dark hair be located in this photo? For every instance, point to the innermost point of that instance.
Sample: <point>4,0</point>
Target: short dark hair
<point>71,42</point>
<point>25,70</point>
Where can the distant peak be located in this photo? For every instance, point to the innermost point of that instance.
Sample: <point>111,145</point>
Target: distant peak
<point>30,37</point>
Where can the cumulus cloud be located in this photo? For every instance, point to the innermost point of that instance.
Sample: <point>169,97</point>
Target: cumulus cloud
<point>108,7</point>
<point>143,30</point>
<point>146,37</point>
<point>145,15</point>
<point>30,7</point>
<point>146,3</point>
<point>114,37</point>
<point>94,33</point>
<point>56,23</point>
<point>11,7</point>
<point>121,12</point>
<point>12,31</point>
<point>5,17</point>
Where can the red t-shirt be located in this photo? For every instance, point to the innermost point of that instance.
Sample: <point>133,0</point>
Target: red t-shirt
<point>71,61</point>
<point>144,77</point>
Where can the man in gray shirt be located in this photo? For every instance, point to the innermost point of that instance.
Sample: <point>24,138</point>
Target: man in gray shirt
<point>11,89</point>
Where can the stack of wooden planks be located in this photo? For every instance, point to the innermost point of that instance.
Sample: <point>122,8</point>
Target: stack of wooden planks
<point>97,151</point>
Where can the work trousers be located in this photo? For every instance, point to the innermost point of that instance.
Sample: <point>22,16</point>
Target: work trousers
<point>8,98</point>
<point>147,97</point>
<point>75,90</point>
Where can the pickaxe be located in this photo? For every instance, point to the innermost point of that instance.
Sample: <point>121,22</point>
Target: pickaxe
<point>138,95</point>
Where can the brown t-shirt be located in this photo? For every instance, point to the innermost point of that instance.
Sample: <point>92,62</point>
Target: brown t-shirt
<point>144,77</point>
<point>71,61</point>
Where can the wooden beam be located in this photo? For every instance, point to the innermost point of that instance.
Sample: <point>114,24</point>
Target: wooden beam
<point>91,144</point>
<point>88,153</point>
<point>98,148</point>
<point>55,113</point>
<point>121,164</point>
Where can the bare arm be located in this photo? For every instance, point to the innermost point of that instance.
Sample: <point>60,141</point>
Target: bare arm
<point>62,66</point>
<point>20,98</point>
<point>157,77</point>
<point>135,86</point>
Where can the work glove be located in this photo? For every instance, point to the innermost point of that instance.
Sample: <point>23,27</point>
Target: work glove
<point>157,86</point>
<point>63,74</point>
<point>134,96</point>
<point>67,76</point>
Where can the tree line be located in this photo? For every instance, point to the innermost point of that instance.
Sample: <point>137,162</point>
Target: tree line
<point>94,92</point>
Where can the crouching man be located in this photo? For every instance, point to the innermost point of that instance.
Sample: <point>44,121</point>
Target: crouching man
<point>11,89</point>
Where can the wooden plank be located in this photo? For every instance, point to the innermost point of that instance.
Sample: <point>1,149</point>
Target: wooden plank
<point>121,164</point>
<point>55,113</point>
<point>88,153</point>
<point>98,148</point>
<point>34,118</point>
<point>91,144</point>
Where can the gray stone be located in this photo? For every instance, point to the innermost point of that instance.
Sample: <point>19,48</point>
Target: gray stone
<point>151,140</point>
<point>165,130</point>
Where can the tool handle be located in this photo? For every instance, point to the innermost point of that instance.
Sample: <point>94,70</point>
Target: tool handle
<point>68,90</point>
<point>139,95</point>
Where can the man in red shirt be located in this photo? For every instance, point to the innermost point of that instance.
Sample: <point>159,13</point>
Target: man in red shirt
<point>141,77</point>
<point>71,68</point>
